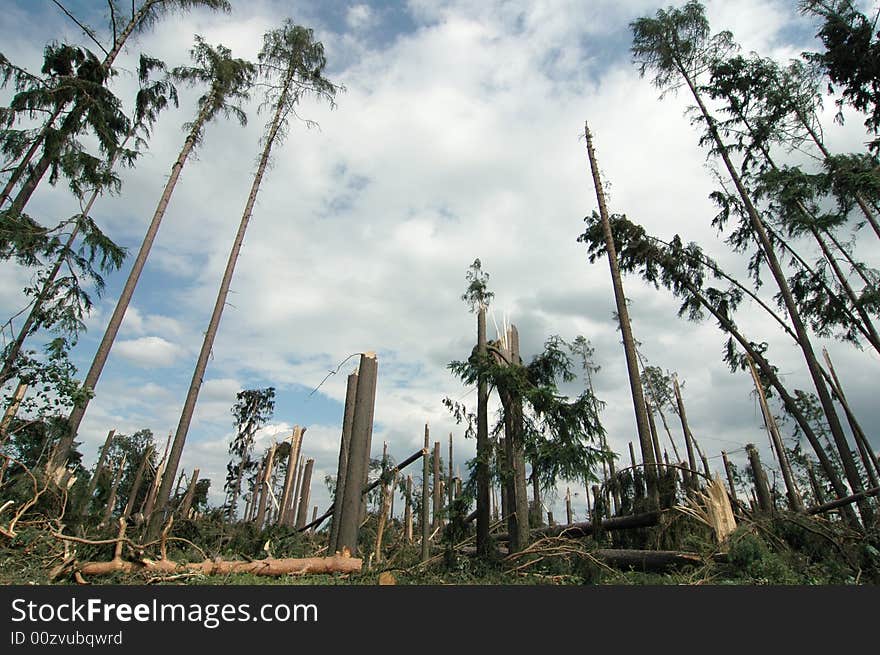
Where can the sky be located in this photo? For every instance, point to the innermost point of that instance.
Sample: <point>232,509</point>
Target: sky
<point>459,136</point>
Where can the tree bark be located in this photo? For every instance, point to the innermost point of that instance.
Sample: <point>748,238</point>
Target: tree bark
<point>305,493</point>
<point>729,471</point>
<point>265,487</point>
<point>484,447</point>
<point>342,468</point>
<point>292,457</point>
<point>190,494</point>
<point>358,452</point>
<point>407,511</point>
<point>426,498</point>
<point>268,567</point>
<point>762,489</point>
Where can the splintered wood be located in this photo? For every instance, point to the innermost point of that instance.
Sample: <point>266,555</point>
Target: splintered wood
<point>712,507</point>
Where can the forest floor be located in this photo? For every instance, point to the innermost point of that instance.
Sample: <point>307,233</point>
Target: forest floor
<point>783,550</point>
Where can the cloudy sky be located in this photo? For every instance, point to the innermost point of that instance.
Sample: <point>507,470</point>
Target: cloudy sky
<point>459,136</point>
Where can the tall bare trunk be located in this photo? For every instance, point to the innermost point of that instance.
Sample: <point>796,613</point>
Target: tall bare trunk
<point>794,495</point>
<point>91,381</point>
<point>629,346</point>
<point>195,386</point>
<point>484,448</point>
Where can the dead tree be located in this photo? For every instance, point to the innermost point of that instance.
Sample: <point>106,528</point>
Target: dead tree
<point>358,454</point>
<point>111,500</point>
<point>794,495</point>
<point>265,487</point>
<point>632,364</point>
<point>437,521</point>
<point>99,467</point>
<point>190,494</point>
<point>762,488</point>
<point>290,474</point>
<point>407,511</point>
<point>342,468</point>
<point>729,471</point>
<point>426,498</point>
<point>305,492</point>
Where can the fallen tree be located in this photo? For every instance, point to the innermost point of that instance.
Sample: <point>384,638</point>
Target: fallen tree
<point>338,563</point>
<point>587,528</point>
<point>269,566</point>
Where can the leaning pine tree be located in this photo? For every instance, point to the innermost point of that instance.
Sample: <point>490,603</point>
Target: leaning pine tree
<point>229,80</point>
<point>140,16</point>
<point>677,46</point>
<point>292,64</point>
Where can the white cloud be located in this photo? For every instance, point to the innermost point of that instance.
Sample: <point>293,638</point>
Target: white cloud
<point>150,352</point>
<point>360,17</point>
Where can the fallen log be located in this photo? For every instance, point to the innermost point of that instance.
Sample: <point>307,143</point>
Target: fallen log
<point>585,528</point>
<point>646,560</point>
<point>840,502</point>
<point>269,566</point>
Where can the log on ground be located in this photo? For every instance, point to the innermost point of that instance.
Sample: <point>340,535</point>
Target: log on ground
<point>269,566</point>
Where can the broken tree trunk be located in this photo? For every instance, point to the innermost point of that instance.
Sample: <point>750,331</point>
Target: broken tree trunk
<point>305,493</point>
<point>426,498</point>
<point>264,487</point>
<point>190,494</point>
<point>290,474</point>
<point>387,496</point>
<point>150,501</point>
<point>358,454</point>
<point>568,517</point>
<point>436,514</point>
<point>729,471</point>
<point>407,511</point>
<point>762,488</point>
<point>688,437</point>
<point>536,519</point>
<point>654,438</point>
<point>99,467</point>
<point>12,410</point>
<point>342,467</point>
<point>794,495</point>
<point>111,500</point>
